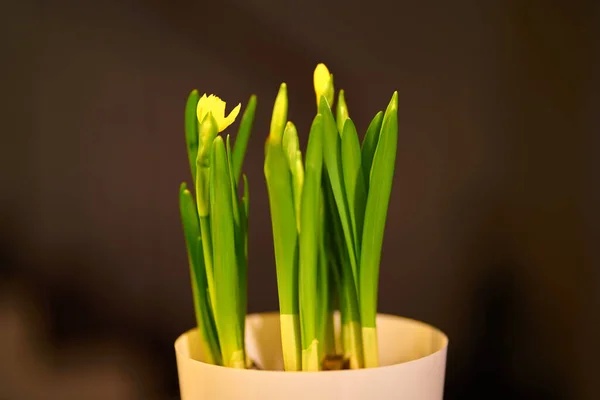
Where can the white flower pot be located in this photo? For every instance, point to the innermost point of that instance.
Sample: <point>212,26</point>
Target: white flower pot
<point>412,357</point>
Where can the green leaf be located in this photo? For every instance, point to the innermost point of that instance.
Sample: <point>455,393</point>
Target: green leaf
<point>285,240</point>
<point>244,209</point>
<point>325,289</point>
<point>333,240</point>
<point>240,237</point>
<point>207,133</point>
<point>241,140</point>
<point>291,147</point>
<point>279,186</point>
<point>310,235</point>
<point>369,145</point>
<point>354,181</point>
<point>342,113</point>
<point>226,271</point>
<point>290,143</point>
<point>234,199</point>
<point>204,317</point>
<point>191,130</point>
<point>333,165</point>
<point>279,117</point>
<point>382,172</point>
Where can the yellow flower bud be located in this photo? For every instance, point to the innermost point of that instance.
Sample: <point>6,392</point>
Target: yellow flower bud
<point>214,105</point>
<point>323,82</point>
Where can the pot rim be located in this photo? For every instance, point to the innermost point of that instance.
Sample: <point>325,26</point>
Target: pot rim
<point>380,316</point>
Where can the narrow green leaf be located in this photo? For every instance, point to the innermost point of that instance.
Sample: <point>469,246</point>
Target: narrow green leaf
<point>369,144</point>
<point>245,216</point>
<point>342,113</point>
<point>310,236</point>
<point>279,117</point>
<point>333,237</point>
<point>240,237</point>
<point>246,211</point>
<point>290,143</point>
<point>285,241</point>
<point>279,186</point>
<point>207,133</point>
<point>241,140</point>
<point>382,172</point>
<point>324,328</point>
<point>225,260</point>
<point>354,181</point>
<point>233,184</point>
<point>291,147</point>
<point>191,130</point>
<point>204,318</point>
<point>333,165</point>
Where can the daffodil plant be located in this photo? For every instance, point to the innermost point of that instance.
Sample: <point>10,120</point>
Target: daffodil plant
<point>215,223</point>
<point>328,214</point>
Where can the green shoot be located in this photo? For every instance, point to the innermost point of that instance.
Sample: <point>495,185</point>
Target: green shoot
<point>309,249</point>
<point>207,133</point>
<point>241,140</point>
<point>354,181</point>
<point>191,130</point>
<point>382,172</point>
<point>369,144</point>
<point>191,228</point>
<point>341,114</point>
<point>285,234</point>
<point>226,272</point>
<point>216,227</point>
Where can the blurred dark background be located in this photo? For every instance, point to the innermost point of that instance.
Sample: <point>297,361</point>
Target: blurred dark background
<point>492,231</point>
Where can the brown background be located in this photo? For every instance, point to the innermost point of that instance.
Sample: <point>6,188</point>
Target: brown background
<point>492,228</point>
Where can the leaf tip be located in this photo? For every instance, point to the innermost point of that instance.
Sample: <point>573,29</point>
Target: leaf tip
<point>394,101</point>
<point>182,187</point>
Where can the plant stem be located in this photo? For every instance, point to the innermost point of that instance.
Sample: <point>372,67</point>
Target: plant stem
<point>207,250</point>
<point>371,347</point>
<point>290,341</point>
<point>226,269</point>
<point>351,325</point>
<point>204,318</point>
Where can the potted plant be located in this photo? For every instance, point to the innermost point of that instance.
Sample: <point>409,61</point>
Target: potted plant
<point>328,213</point>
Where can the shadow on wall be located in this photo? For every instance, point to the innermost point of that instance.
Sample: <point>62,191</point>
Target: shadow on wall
<point>499,322</point>
<point>56,345</point>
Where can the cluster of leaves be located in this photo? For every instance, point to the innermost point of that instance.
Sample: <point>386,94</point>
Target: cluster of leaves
<point>328,214</point>
<point>215,223</point>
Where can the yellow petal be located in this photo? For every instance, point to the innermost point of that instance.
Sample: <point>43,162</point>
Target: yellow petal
<point>230,118</point>
<point>217,107</point>
<point>202,107</point>
<point>214,105</point>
